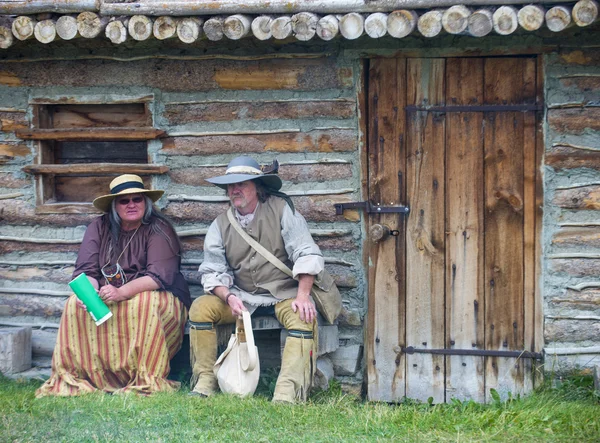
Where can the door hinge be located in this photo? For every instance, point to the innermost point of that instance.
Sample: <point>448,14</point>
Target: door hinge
<point>370,208</point>
<point>475,352</point>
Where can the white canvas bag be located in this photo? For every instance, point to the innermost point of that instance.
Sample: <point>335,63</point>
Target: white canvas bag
<point>238,368</point>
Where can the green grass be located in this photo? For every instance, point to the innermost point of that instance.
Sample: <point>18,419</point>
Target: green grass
<point>570,412</point>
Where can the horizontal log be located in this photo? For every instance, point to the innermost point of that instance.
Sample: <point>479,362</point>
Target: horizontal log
<point>585,300</point>
<point>215,112</point>
<point>576,267</point>
<point>97,169</point>
<point>36,274</point>
<point>572,331</point>
<point>38,6</point>
<point>87,134</point>
<point>571,157</point>
<point>7,247</point>
<point>19,212</point>
<point>584,87</point>
<point>14,305</point>
<point>12,195</point>
<point>291,173</point>
<point>342,140</point>
<point>577,237</point>
<point>49,241</point>
<point>318,209</point>
<point>574,121</point>
<point>10,151</point>
<point>572,351</point>
<point>10,180</point>
<point>579,198</point>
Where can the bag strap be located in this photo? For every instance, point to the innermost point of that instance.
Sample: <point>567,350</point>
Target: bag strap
<point>258,247</point>
<point>252,354</point>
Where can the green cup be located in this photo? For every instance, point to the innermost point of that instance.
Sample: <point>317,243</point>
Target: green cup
<point>85,292</point>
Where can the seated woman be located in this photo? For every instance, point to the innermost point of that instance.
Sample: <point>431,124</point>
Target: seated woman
<point>132,256</point>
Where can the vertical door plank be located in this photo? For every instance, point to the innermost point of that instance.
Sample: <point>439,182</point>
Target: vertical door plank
<point>465,375</point>
<point>386,316</point>
<point>504,224</point>
<point>425,251</point>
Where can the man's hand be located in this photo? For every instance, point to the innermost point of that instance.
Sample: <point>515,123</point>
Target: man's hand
<point>109,293</point>
<point>236,305</point>
<point>307,309</point>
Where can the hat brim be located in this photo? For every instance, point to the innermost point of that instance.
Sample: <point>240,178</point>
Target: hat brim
<point>269,180</point>
<point>103,202</point>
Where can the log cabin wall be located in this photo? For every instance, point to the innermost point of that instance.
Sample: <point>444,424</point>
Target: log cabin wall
<point>301,102</point>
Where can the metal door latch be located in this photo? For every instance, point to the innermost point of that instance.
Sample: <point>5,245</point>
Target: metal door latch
<point>370,208</point>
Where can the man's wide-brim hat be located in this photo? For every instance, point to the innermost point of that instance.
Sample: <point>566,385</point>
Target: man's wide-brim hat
<point>123,185</point>
<point>244,168</point>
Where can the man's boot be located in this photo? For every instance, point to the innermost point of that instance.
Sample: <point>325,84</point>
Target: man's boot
<point>203,344</point>
<point>297,368</point>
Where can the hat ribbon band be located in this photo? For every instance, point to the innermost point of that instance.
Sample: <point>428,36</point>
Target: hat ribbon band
<point>126,185</point>
<point>243,170</point>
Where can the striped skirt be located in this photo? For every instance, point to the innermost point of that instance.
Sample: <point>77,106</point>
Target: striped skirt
<point>128,353</point>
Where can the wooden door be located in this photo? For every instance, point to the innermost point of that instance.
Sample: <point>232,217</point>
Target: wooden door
<point>457,141</point>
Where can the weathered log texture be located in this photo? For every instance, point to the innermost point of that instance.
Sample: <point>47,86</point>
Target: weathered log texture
<point>18,212</point>
<point>558,18</point>
<point>401,23</point>
<point>337,140</point>
<point>304,25</point>
<point>430,23</point>
<point>480,23</point>
<point>352,25</point>
<point>9,180</point>
<point>33,248</point>
<point>456,19</point>
<point>6,35</point>
<point>43,342</point>
<point>96,169</point>
<point>38,6</point>
<point>345,244</point>
<point>66,27</point>
<point>577,237</point>
<point>189,29</point>
<point>213,112</point>
<point>172,75</point>
<point>586,300</point>
<point>9,151</point>
<point>116,31</point>
<point>45,31</point>
<point>292,173</point>
<point>506,20</point>
<point>213,28</point>
<point>237,26</point>
<point>328,27</point>
<point>583,88</point>
<point>531,17</point>
<point>12,305</point>
<point>576,267</point>
<point>36,274</point>
<point>140,27</point>
<point>281,27</point>
<point>585,12</point>
<point>572,331</point>
<point>571,157</point>
<point>98,134</point>
<point>580,198</point>
<point>376,25</point>
<point>23,27</point>
<point>164,27</point>
<point>314,208</point>
<point>574,121</point>
<point>90,25</point>
<point>11,121</point>
<point>261,27</point>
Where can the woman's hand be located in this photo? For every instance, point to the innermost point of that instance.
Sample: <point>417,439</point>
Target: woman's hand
<point>109,293</point>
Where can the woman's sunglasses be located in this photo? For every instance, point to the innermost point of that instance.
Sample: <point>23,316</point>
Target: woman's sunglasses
<point>125,201</point>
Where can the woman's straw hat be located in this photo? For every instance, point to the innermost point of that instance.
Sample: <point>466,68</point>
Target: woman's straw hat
<point>122,185</point>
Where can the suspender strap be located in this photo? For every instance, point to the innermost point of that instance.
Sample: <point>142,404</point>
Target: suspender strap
<point>201,326</point>
<point>300,334</point>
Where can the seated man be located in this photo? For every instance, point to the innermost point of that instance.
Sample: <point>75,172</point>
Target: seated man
<point>237,278</point>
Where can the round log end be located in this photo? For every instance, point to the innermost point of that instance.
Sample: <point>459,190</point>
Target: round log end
<point>456,19</point>
<point>116,32</point>
<point>281,27</point>
<point>89,24</point>
<point>558,18</point>
<point>585,12</point>
<point>328,27</point>
<point>23,27</point>
<point>189,29</point>
<point>261,27</point>
<point>505,20</point>
<point>531,17</point>
<point>66,27</point>
<point>480,23</point>
<point>45,31</point>
<point>164,27</point>
<point>401,23</point>
<point>352,25</point>
<point>6,37</point>
<point>430,23</point>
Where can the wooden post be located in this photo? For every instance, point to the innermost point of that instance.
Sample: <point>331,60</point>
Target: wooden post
<point>430,23</point>
<point>90,25</point>
<point>352,25</point>
<point>261,27</point>
<point>66,27</point>
<point>456,19</point>
<point>140,27</point>
<point>558,18</point>
<point>401,23</point>
<point>45,31</point>
<point>23,27</point>
<point>237,26</point>
<point>376,25</point>
<point>328,27</point>
<point>213,28</point>
<point>481,23</point>
<point>281,27</point>
<point>165,27</point>
<point>505,20</point>
<point>304,25</point>
<point>585,12</point>
<point>116,30</point>
<point>531,17</point>
<point>189,29</point>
